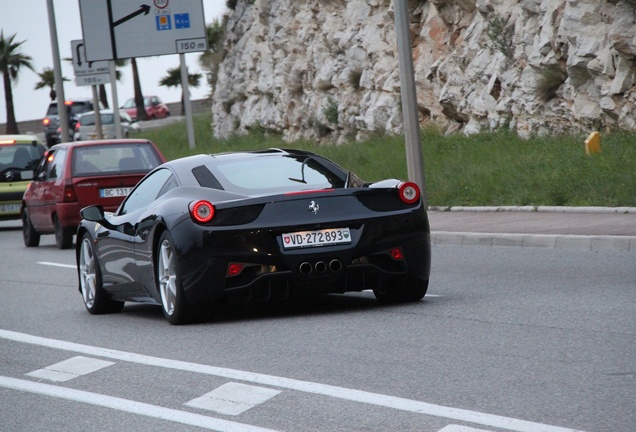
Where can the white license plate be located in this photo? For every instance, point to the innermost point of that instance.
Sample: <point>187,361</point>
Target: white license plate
<point>114,192</point>
<point>316,238</point>
<point>9,208</point>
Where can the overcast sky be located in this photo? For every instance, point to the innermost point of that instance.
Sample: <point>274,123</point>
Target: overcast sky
<point>29,20</point>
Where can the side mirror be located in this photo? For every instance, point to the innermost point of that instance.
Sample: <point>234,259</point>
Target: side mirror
<point>94,213</point>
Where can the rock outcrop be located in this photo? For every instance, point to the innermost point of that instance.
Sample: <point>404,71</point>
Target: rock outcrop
<point>328,69</point>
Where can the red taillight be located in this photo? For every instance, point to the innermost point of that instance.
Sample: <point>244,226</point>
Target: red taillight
<point>46,121</point>
<point>202,211</point>
<point>234,269</point>
<point>409,192</point>
<point>69,193</point>
<point>303,192</point>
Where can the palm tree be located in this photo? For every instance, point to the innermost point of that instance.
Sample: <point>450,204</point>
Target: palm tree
<point>10,63</point>
<point>139,97</point>
<point>173,79</point>
<point>212,58</point>
<point>47,79</point>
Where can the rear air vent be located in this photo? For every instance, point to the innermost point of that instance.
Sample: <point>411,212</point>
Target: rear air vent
<point>237,216</point>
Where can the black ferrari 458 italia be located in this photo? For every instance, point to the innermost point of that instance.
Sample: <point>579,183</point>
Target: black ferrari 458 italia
<point>261,225</point>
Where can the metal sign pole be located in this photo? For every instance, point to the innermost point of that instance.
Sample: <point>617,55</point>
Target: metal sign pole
<point>98,114</point>
<point>113,87</point>
<point>185,84</point>
<point>414,158</point>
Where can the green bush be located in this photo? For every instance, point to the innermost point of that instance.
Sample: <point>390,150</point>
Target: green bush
<point>496,168</point>
<point>330,111</point>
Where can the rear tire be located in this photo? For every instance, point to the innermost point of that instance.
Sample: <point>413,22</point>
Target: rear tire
<point>175,307</point>
<point>63,236</point>
<point>96,300</point>
<point>403,290</point>
<point>29,234</point>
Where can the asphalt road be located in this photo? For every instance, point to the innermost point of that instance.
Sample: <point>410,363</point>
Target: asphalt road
<point>526,339</point>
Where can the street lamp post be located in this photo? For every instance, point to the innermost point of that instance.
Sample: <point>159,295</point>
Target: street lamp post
<point>57,70</point>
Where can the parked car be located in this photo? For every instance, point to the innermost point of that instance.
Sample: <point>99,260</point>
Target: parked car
<point>78,174</point>
<point>19,156</point>
<point>85,128</point>
<point>155,108</point>
<point>254,225</point>
<point>51,122</point>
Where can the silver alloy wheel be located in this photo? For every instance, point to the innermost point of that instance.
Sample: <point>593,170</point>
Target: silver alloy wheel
<point>87,273</point>
<point>167,277</point>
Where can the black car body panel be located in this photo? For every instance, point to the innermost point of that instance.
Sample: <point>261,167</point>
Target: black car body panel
<point>389,239</point>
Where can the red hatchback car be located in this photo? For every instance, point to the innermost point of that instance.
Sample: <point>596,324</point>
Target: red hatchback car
<point>74,175</point>
<point>155,108</point>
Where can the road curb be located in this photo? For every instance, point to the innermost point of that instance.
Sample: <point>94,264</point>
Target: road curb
<point>549,209</point>
<point>571,242</point>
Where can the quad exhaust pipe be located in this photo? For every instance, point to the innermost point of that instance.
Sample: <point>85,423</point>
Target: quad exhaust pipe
<point>306,268</point>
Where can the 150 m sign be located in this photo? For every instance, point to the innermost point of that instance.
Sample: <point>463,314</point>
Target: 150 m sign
<point>191,45</point>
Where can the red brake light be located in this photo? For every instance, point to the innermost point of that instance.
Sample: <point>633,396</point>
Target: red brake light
<point>309,191</point>
<point>409,192</point>
<point>202,211</point>
<point>46,121</point>
<point>68,102</point>
<point>69,193</point>
<point>5,142</point>
<point>234,269</point>
<point>397,254</point>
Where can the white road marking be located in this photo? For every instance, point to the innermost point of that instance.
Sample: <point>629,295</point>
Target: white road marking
<point>52,264</point>
<point>458,428</point>
<point>129,406</point>
<point>69,369</point>
<point>233,398</point>
<point>394,402</point>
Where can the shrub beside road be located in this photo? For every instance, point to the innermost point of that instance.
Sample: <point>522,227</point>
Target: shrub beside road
<point>487,169</point>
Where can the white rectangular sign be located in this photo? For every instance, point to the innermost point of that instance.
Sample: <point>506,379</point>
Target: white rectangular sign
<point>120,29</point>
<point>88,72</point>
<point>89,80</point>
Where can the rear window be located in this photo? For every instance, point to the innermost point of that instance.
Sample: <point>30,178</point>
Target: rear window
<point>111,159</point>
<point>89,119</point>
<point>272,174</point>
<point>22,156</point>
<point>75,108</point>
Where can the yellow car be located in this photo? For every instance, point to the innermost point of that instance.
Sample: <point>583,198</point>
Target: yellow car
<point>19,157</point>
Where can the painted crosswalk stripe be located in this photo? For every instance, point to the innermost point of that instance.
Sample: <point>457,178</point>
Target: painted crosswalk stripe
<point>130,406</point>
<point>233,398</point>
<point>68,369</point>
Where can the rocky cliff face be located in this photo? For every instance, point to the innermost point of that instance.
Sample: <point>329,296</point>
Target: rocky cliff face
<point>328,69</point>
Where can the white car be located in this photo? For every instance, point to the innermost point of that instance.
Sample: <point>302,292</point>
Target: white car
<point>85,128</point>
